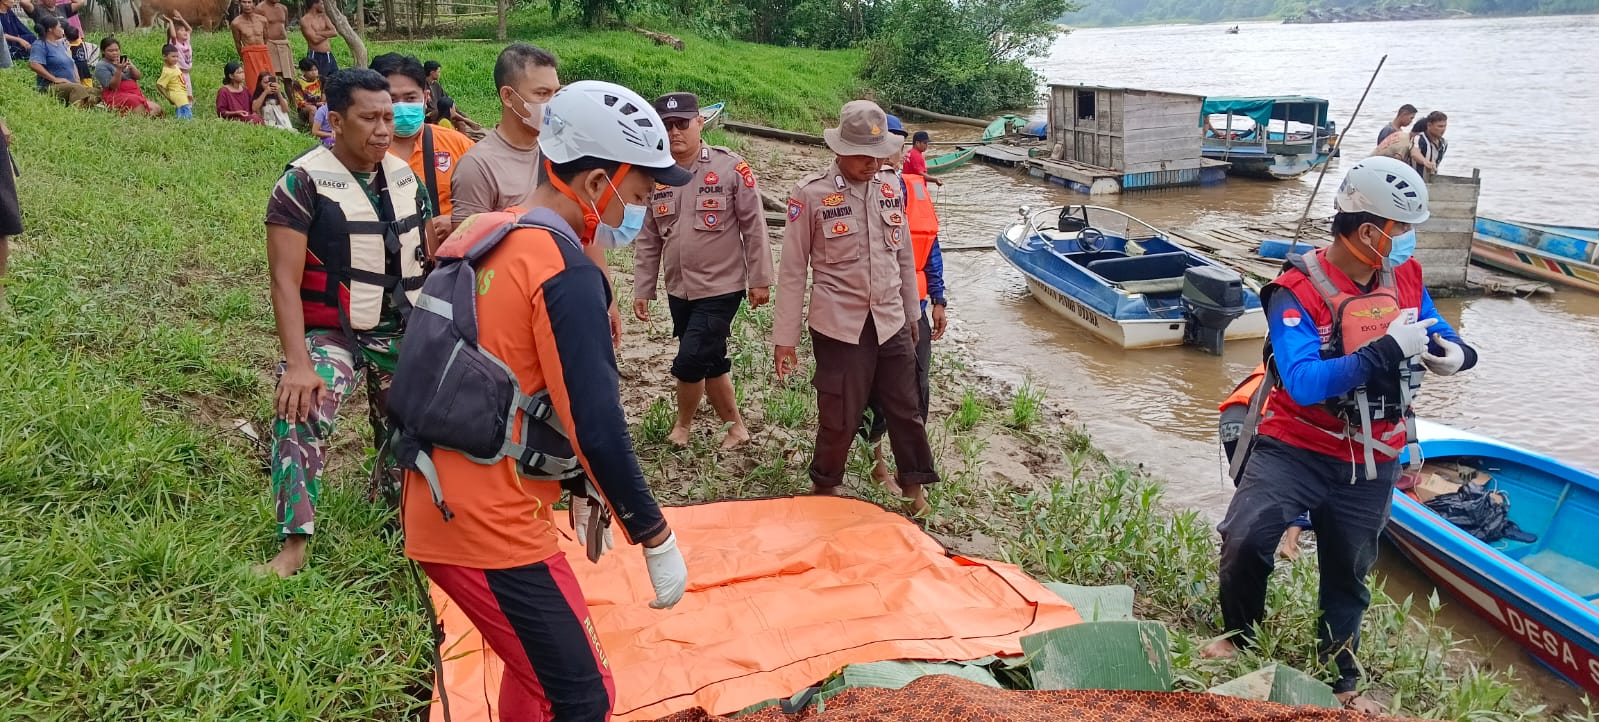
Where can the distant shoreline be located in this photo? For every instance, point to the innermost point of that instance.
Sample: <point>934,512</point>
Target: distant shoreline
<point>1269,20</point>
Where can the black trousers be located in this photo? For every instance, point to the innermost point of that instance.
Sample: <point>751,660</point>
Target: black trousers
<point>10,215</point>
<point>875,423</point>
<point>848,375</point>
<point>702,327</point>
<point>1347,512</point>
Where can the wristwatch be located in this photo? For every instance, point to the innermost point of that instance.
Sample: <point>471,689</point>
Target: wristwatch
<point>940,301</point>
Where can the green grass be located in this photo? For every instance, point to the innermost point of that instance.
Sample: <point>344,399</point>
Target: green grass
<point>129,512</point>
<point>1026,406</point>
<point>794,88</point>
<point>139,326</point>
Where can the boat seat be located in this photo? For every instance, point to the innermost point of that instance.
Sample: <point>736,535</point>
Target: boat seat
<point>1582,579</point>
<point>1152,267</point>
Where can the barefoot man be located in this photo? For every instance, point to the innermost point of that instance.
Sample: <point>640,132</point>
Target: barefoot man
<point>249,36</point>
<point>318,30</point>
<point>711,235</point>
<point>847,229</point>
<point>277,20</point>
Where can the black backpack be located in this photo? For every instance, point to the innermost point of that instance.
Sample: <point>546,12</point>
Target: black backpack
<point>450,393</point>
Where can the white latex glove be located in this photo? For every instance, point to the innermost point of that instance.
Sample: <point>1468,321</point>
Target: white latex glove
<point>1412,337</point>
<point>667,573</point>
<point>588,514</point>
<point>1454,357</point>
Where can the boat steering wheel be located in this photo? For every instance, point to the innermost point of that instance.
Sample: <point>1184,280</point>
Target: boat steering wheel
<point>1091,240</point>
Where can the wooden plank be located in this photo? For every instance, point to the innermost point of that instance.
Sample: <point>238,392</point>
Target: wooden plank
<point>1163,149</point>
<point>774,133</point>
<point>1174,120</point>
<point>1157,166</point>
<point>1452,192</point>
<point>1452,209</point>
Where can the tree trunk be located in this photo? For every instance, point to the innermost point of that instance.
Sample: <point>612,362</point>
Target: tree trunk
<point>351,36</point>
<point>500,34</point>
<point>360,17</point>
<point>388,17</point>
<point>659,38</point>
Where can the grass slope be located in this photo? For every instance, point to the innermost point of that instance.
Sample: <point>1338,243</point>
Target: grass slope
<point>792,88</point>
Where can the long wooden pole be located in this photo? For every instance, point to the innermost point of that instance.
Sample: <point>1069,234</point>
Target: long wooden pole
<point>961,120</point>
<point>1328,163</point>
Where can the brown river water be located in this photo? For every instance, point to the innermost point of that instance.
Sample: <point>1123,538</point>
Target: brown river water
<point>1521,94</point>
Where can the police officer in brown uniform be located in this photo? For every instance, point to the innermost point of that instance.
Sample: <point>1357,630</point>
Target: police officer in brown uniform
<point>711,237</point>
<point>847,227</point>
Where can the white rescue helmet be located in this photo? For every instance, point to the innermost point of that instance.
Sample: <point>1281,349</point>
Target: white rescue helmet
<point>595,119</point>
<point>1384,187</point>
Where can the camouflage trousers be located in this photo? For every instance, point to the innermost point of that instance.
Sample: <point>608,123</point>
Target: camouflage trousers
<point>299,450</point>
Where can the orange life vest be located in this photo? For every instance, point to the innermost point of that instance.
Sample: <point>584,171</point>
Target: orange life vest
<point>1246,389</point>
<point>923,222</point>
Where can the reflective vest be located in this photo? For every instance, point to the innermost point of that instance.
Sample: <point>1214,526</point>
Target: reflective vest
<point>1371,420</point>
<point>923,222</point>
<point>355,258</point>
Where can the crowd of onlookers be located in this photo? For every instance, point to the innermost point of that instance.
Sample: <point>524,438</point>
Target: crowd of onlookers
<point>85,74</point>
<point>1417,142</point>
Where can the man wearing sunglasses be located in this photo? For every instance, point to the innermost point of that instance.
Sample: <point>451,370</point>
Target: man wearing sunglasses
<point>710,238</point>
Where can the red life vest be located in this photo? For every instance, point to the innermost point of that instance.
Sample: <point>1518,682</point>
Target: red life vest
<point>923,222</point>
<point>1366,419</point>
<point>357,261</point>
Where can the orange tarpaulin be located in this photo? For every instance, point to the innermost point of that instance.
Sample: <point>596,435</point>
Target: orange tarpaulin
<point>781,594</point>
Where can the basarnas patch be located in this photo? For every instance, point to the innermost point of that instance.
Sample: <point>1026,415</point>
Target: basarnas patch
<point>795,208</point>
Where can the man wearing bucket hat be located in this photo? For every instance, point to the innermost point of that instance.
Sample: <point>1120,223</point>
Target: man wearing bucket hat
<point>847,228</point>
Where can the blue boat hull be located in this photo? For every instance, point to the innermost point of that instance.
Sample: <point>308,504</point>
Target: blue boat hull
<point>1567,255</point>
<point>1539,594</point>
<point>1121,314</point>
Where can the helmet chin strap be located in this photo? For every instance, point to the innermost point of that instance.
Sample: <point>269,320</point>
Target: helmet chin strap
<point>591,211</point>
<point>1373,258</point>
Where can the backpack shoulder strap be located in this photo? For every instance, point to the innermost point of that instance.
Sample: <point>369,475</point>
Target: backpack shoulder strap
<point>430,169</point>
<point>1310,264</point>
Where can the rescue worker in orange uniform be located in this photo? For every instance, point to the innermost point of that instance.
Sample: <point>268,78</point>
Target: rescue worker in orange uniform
<point>485,533</point>
<point>1351,328</point>
<point>922,220</point>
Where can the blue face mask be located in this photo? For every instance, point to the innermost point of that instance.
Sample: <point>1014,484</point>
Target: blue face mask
<point>1402,247</point>
<point>632,223</point>
<point>408,119</point>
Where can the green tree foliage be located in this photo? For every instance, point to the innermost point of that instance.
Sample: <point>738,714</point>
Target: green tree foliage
<point>965,57</point>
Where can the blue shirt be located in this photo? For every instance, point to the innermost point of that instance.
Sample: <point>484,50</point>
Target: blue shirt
<point>1311,379</point>
<point>12,25</point>
<point>56,59</point>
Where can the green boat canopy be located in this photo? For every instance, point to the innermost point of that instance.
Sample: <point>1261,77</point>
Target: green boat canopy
<point>1002,127</point>
<point>1296,108</point>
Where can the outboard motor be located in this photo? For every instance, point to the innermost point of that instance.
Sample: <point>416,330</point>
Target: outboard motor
<point>1213,297</point>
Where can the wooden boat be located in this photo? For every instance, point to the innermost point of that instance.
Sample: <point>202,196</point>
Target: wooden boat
<point>712,114</point>
<point>1126,282</point>
<point>949,161</point>
<point>1568,255</point>
<point>1275,138</point>
<point>1540,593</point>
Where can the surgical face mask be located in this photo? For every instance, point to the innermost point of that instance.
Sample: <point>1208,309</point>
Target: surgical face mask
<point>408,119</point>
<point>632,223</point>
<point>1402,247</point>
<point>535,112</point>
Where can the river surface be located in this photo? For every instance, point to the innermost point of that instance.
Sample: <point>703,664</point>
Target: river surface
<point>1522,95</point>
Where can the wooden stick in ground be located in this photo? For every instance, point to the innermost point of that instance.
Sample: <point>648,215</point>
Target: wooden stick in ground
<point>1298,229</point>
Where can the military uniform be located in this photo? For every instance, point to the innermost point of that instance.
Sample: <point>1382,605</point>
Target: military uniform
<point>854,242</point>
<point>710,236</point>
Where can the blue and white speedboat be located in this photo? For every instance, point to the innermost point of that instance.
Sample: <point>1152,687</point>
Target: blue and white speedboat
<point>1541,593</point>
<point>1123,280</point>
